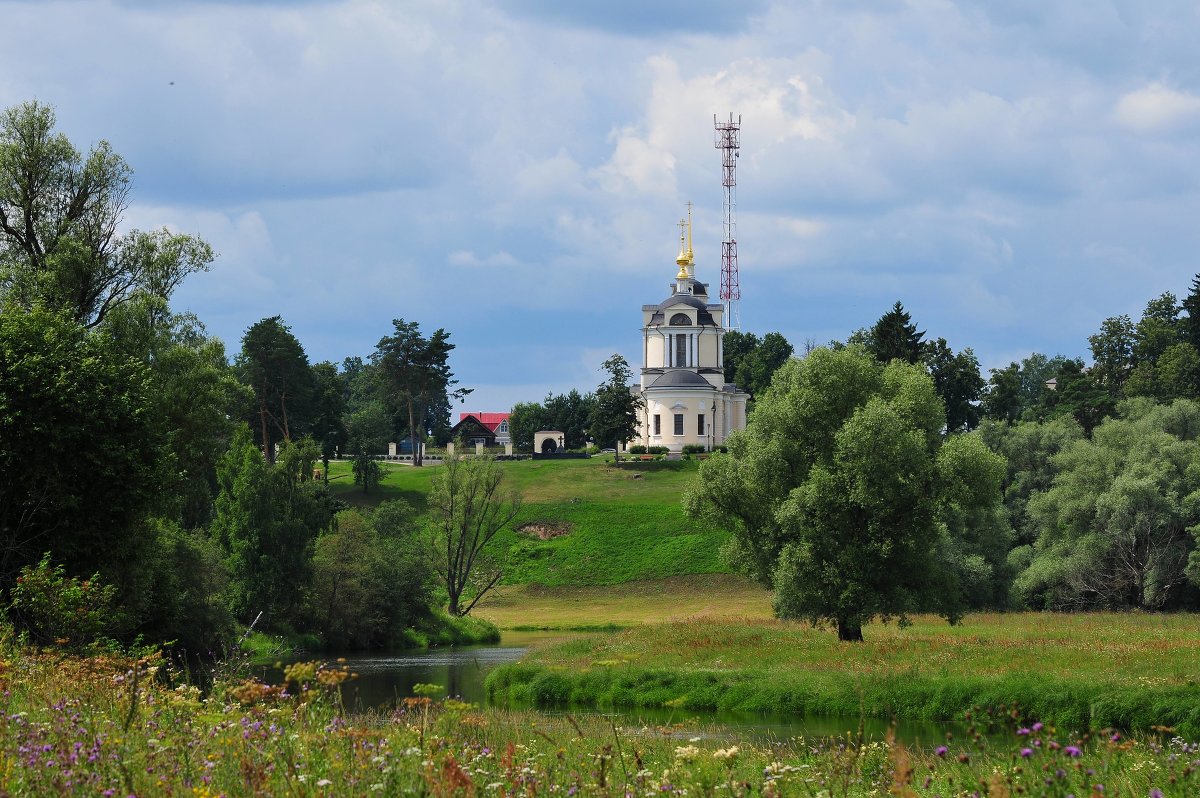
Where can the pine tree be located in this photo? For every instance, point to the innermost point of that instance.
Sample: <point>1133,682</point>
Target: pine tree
<point>895,337</point>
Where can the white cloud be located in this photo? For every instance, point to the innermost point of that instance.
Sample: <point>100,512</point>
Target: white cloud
<point>1156,108</point>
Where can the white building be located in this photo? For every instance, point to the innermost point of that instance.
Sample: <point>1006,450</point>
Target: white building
<point>687,400</point>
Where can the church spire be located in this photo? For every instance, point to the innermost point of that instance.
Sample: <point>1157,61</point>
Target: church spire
<point>684,257</point>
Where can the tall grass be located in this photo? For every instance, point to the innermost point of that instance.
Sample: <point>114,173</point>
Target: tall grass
<point>106,726</point>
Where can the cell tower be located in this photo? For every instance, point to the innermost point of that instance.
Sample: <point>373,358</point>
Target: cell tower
<point>728,140</point>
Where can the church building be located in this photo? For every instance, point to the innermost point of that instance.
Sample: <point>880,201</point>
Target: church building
<point>687,401</point>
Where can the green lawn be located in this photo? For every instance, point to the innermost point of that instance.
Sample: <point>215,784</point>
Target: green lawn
<point>620,524</point>
<point>1086,670</point>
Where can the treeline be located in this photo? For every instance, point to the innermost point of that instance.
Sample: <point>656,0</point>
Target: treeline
<point>189,488</point>
<point>1101,487</point>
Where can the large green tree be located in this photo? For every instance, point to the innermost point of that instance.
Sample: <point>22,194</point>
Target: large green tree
<point>415,372</point>
<point>267,517</point>
<point>842,497</point>
<point>614,418</point>
<point>81,456</point>
<point>957,381</point>
<point>273,364</point>
<point>60,220</point>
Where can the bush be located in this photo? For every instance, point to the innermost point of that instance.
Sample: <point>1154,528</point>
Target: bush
<point>53,607</point>
<point>694,448</point>
<point>638,449</point>
<point>657,450</point>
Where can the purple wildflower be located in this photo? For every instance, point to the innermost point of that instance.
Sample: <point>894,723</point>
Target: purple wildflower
<point>1072,751</point>
<point>1026,753</point>
<point>942,750</point>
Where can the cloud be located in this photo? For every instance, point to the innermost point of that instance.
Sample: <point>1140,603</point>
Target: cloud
<point>1156,108</point>
<point>639,18</point>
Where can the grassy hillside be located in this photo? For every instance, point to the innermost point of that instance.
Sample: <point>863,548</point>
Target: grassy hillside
<point>587,522</point>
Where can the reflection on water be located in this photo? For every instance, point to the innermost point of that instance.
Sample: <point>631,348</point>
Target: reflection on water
<point>384,679</point>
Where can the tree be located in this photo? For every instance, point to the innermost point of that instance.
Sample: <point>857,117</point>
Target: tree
<point>569,412</point>
<point>524,420</point>
<point>1002,399</point>
<point>1116,526</point>
<point>81,458</point>
<point>759,365</point>
<point>614,416</point>
<point>467,509</point>
<point>368,586</point>
<point>267,516</point>
<point>329,407</point>
<point>59,219</point>
<point>1112,351</point>
<point>417,374</point>
<point>1190,324</point>
<point>895,337</point>
<point>735,347</point>
<point>273,364</point>
<point>837,497</point>
<point>956,379</point>
<point>1080,395</point>
<point>367,434</point>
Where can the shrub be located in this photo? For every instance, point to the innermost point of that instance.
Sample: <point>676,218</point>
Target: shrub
<point>694,448</point>
<point>657,450</point>
<point>52,607</point>
<point>638,449</point>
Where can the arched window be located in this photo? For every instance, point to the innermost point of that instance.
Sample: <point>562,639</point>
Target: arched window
<point>680,320</point>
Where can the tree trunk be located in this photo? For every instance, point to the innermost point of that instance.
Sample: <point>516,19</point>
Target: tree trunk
<point>849,632</point>
<point>412,435</point>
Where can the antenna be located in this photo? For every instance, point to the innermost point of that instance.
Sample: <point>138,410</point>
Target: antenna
<point>728,141</point>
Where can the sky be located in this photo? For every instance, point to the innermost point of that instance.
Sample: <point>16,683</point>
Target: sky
<point>513,171</point>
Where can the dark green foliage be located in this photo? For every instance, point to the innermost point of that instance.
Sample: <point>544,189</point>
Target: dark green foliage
<point>367,432</point>
<point>569,412</point>
<point>329,407</point>
<point>1190,323</point>
<point>80,455</point>
<point>267,517</point>
<point>614,417</point>
<point>273,364</point>
<point>524,420</point>
<point>895,337</point>
<point>414,373</point>
<point>750,362</point>
<point>1080,395</point>
<point>957,381</point>
<point>368,585</point>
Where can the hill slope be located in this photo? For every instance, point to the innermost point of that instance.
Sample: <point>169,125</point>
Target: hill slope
<point>584,522</point>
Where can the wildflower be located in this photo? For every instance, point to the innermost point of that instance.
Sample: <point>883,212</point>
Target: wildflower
<point>1073,751</point>
<point>726,753</point>
<point>1023,731</point>
<point>324,783</point>
<point>1026,753</point>
<point>1037,727</point>
<point>686,753</point>
<point>942,751</point>
<point>1115,737</point>
<point>1156,793</point>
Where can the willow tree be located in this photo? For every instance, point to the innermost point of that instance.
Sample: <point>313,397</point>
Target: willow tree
<point>844,499</point>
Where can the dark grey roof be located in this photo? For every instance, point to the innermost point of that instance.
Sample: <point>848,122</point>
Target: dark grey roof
<point>680,378</point>
<point>703,317</point>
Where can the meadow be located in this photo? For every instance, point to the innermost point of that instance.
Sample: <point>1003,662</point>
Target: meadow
<point>1082,672</point>
<point>110,726</point>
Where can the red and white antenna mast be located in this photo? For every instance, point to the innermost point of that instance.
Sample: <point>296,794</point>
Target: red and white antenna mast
<point>728,140</point>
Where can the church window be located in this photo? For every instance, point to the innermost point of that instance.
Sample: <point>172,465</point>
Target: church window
<point>681,352</point>
<point>657,424</point>
<point>700,424</point>
<point>680,320</point>
<point>679,423</point>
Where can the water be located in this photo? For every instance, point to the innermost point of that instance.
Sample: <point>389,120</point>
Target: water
<point>384,679</point>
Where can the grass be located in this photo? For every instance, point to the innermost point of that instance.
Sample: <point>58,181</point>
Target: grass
<point>593,608</point>
<point>1080,671</point>
<point>622,524</point>
<point>107,726</point>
